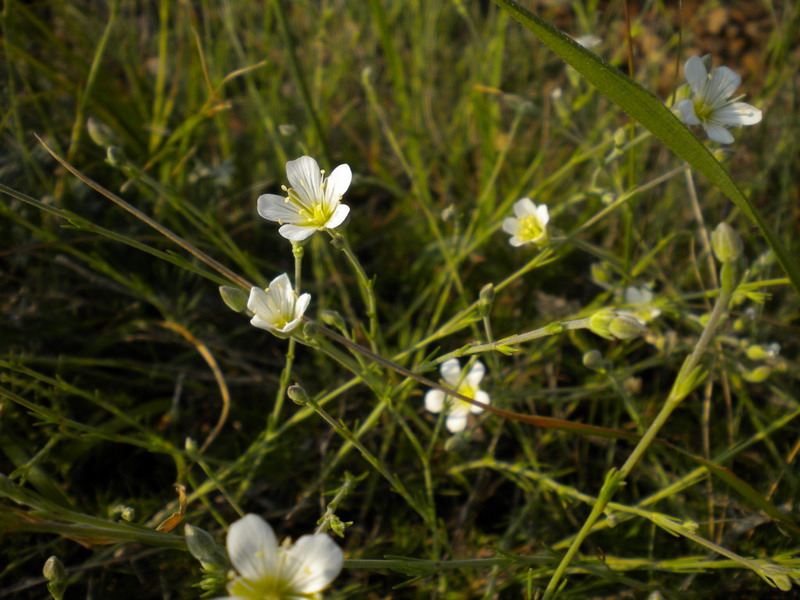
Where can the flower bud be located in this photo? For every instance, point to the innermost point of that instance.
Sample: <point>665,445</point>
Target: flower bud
<point>758,375</point>
<point>115,156</point>
<point>205,549</point>
<point>333,318</point>
<point>57,577</point>
<point>233,297</point>
<point>54,570</point>
<point>101,134</point>
<point>594,360</point>
<point>756,352</point>
<point>297,394</point>
<point>726,243</point>
<point>485,300</point>
<point>190,445</point>
<point>625,326</point>
<point>600,321</point>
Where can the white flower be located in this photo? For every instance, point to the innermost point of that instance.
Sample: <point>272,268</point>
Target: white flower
<point>468,386</point>
<point>711,104</point>
<point>313,202</point>
<point>277,309</point>
<point>267,571</point>
<point>530,224</point>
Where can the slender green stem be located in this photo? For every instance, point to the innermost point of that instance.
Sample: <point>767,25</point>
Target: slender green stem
<point>680,389</point>
<point>364,286</point>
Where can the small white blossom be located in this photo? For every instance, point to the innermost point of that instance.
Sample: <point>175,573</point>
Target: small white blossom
<point>313,202</point>
<point>468,386</point>
<point>530,224</point>
<point>277,309</point>
<point>267,571</point>
<point>711,104</point>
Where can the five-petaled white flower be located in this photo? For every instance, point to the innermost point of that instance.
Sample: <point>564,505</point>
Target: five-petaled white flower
<point>313,202</point>
<point>468,386</point>
<point>267,571</point>
<point>711,104</point>
<point>277,309</point>
<point>530,224</point>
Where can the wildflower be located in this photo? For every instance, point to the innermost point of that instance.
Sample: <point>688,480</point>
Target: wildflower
<point>277,309</point>
<point>711,105</point>
<point>267,571</point>
<point>468,386</point>
<point>313,202</point>
<point>529,225</point>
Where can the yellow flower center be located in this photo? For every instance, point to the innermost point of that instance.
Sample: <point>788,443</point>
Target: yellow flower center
<point>316,214</point>
<point>703,110</point>
<point>530,229</point>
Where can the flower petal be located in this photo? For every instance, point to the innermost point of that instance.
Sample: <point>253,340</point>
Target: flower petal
<point>252,547</point>
<point>687,114</point>
<point>724,82</point>
<point>451,371</point>
<point>338,216</point>
<point>281,292</point>
<point>337,183</point>
<point>475,374</point>
<point>317,562</point>
<point>434,401</point>
<point>301,305</point>
<point>296,233</point>
<point>481,396</point>
<point>456,421</point>
<point>524,208</point>
<point>305,179</point>
<point>258,300</point>
<point>517,242</point>
<point>257,321</point>
<point>276,208</point>
<point>696,74</point>
<point>543,215</point>
<point>511,225</point>
<point>718,133</point>
<point>737,113</point>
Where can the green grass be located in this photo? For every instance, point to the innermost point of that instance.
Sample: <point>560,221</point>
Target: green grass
<point>117,345</point>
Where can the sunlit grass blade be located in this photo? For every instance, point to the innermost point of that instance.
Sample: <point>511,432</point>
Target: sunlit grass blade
<point>650,111</point>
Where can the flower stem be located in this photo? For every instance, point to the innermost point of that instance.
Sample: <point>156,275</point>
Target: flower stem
<point>364,286</point>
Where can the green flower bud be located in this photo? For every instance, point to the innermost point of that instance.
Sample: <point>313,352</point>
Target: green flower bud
<point>234,298</point>
<point>726,243</point>
<point>625,326</point>
<point>333,318</point>
<point>757,375</point>
<point>57,576</point>
<point>54,570</point>
<point>594,360</point>
<point>115,156</point>
<point>205,549</point>
<point>599,322</point>
<point>101,134</point>
<point>485,300</point>
<point>297,394</point>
